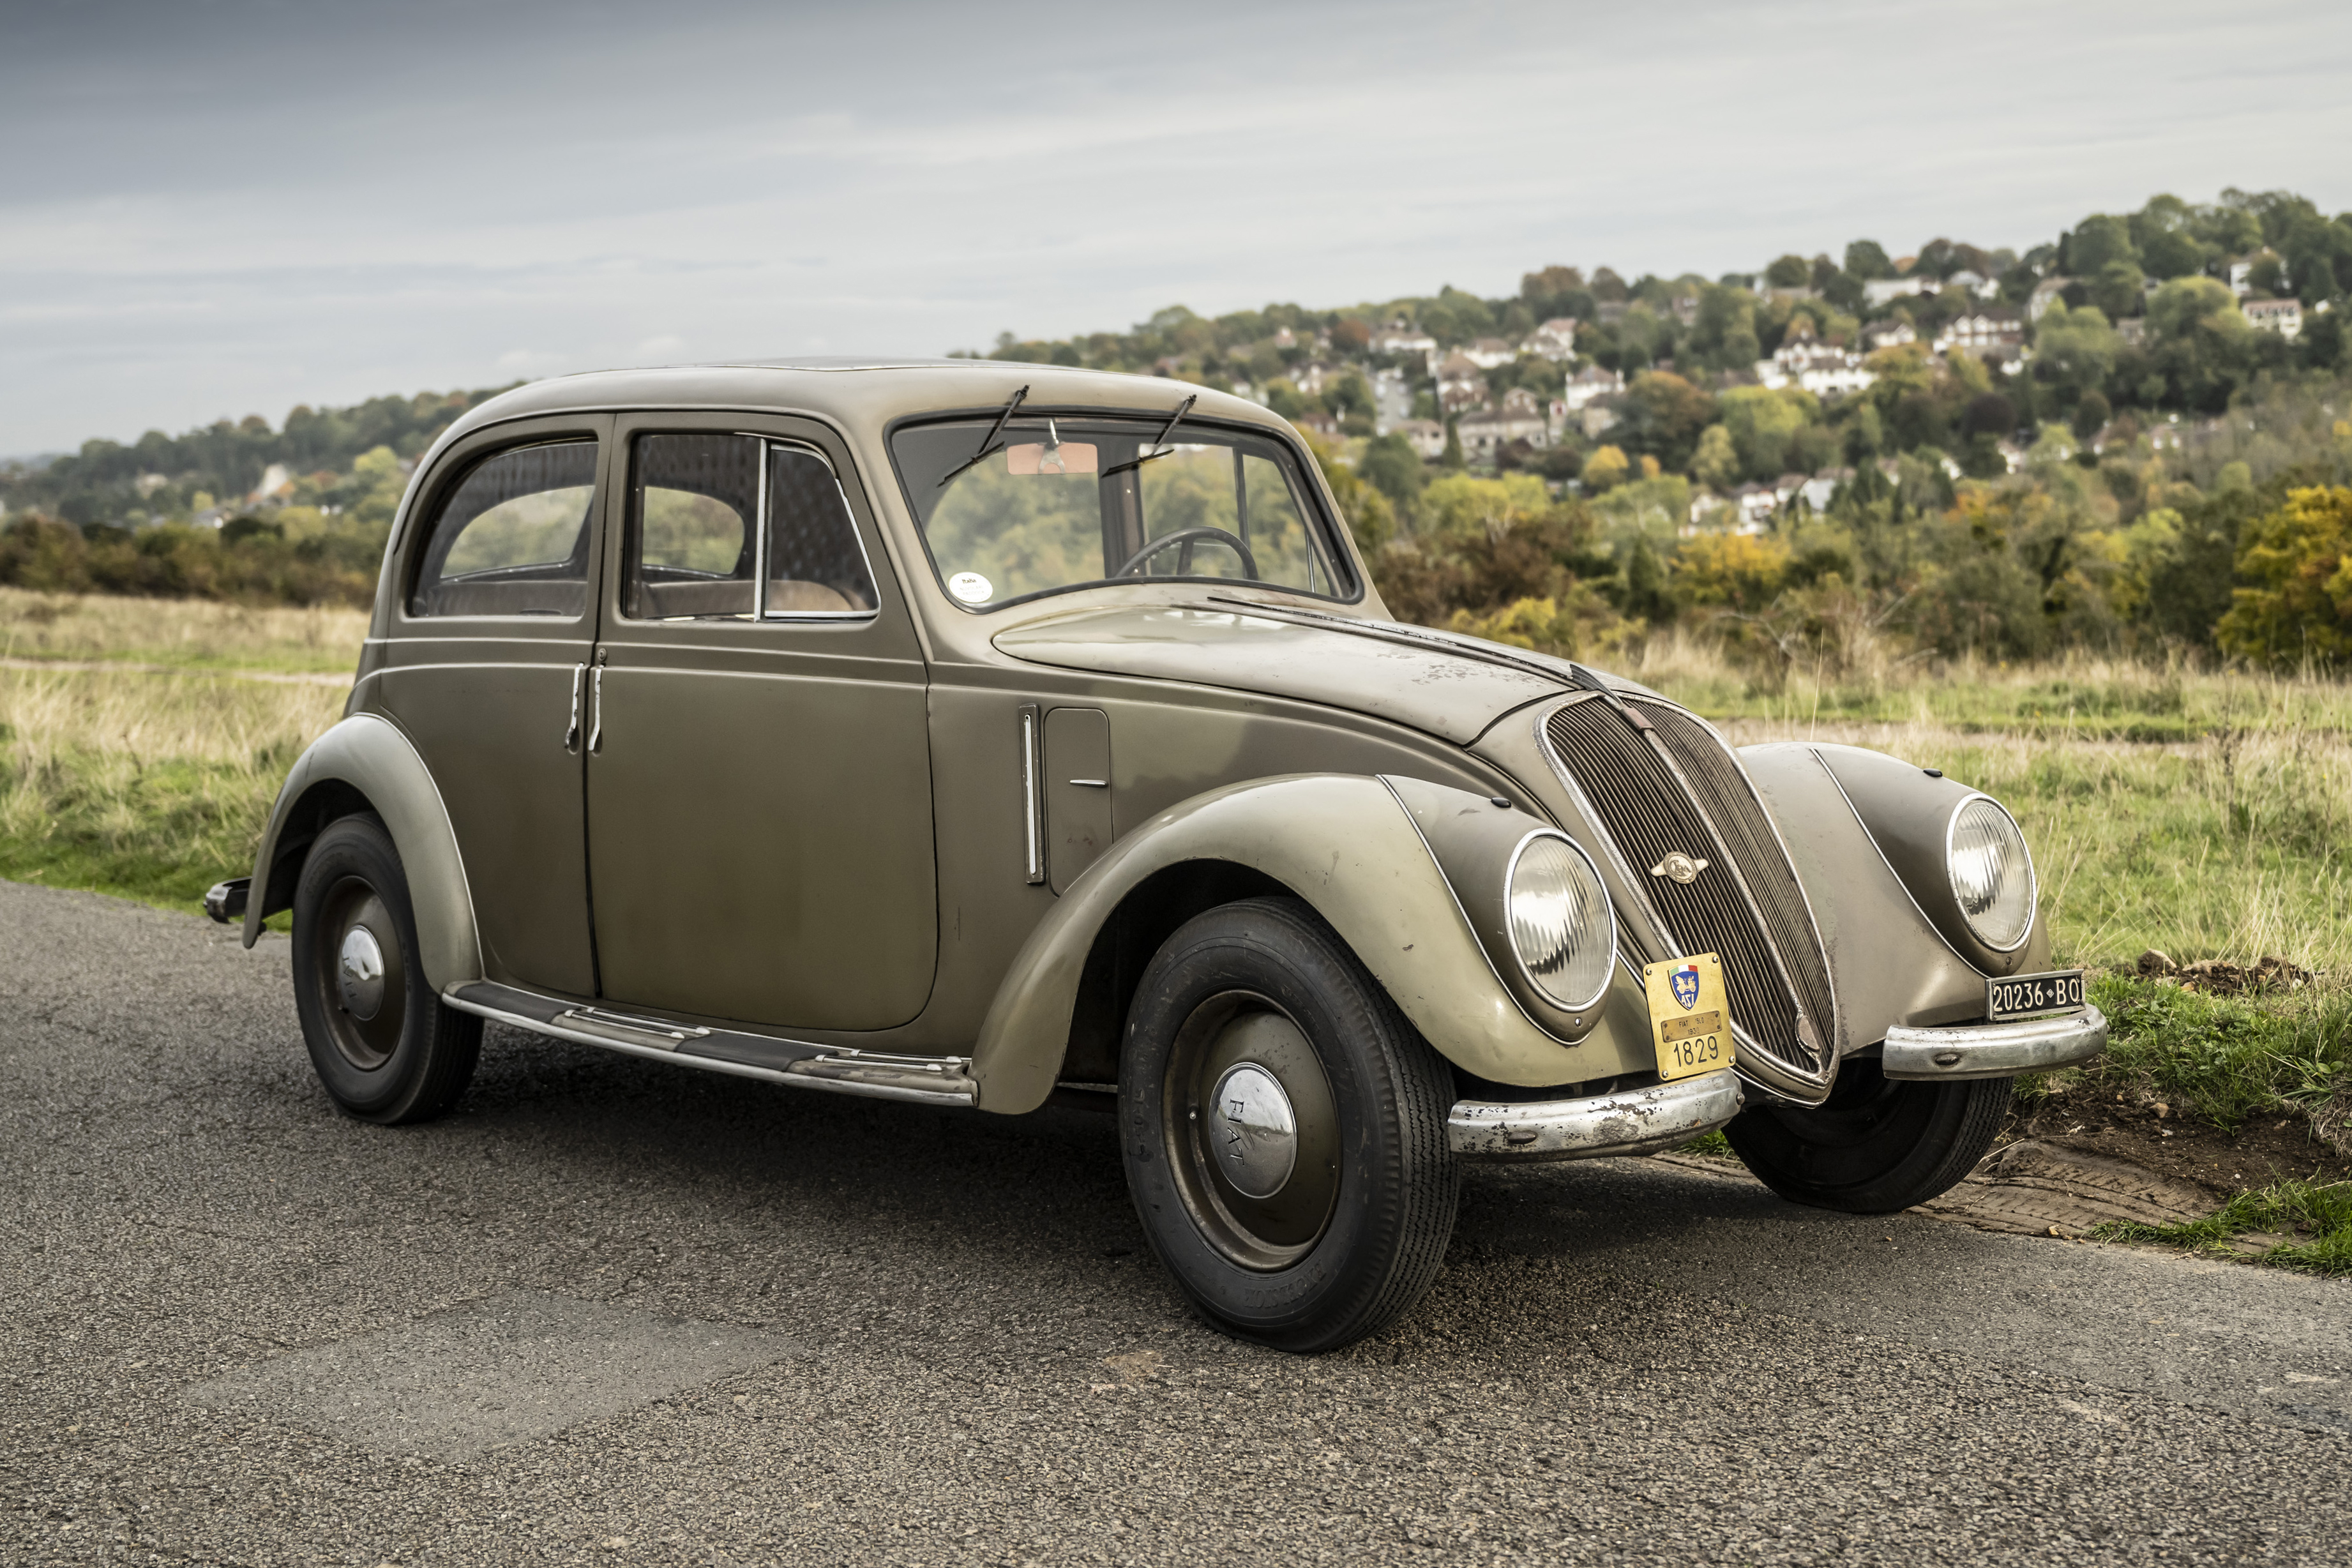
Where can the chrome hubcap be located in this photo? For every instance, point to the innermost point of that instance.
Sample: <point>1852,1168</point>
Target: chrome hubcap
<point>359,974</point>
<point>1254,1131</point>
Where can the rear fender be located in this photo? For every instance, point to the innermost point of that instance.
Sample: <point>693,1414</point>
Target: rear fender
<point>365,764</point>
<point>1345,845</point>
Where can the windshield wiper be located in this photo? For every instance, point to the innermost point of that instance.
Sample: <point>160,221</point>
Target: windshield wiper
<point>987,450</point>
<point>1160,447</point>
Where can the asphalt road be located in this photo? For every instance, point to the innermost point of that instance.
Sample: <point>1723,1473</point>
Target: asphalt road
<point>616,1312</point>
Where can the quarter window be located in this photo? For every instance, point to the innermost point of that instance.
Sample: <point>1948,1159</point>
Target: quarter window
<point>711,510</point>
<point>512,537</point>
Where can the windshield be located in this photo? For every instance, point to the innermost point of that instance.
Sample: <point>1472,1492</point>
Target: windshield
<point>1071,501</point>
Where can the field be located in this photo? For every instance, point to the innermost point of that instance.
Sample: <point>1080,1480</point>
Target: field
<point>2204,815</point>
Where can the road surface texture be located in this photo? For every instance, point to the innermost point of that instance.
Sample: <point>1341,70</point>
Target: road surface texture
<point>616,1312</point>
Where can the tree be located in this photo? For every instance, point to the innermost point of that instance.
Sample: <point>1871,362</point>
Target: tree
<point>2091,414</point>
<point>1788,272</point>
<point>1714,462</point>
<point>1662,417</point>
<point>2301,605</point>
<point>2097,240</point>
<point>1866,258</point>
<point>1452,456</point>
<point>1390,466</point>
<point>2199,342</point>
<point>1761,425</point>
<point>2118,289</point>
<point>1605,468</point>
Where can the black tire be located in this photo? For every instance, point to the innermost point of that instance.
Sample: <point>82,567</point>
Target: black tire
<point>1876,1145</point>
<point>390,1052</point>
<point>1343,1238</point>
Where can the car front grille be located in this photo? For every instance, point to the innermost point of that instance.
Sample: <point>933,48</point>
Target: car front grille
<point>1686,793</point>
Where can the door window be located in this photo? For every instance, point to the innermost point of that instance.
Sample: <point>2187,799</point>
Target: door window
<point>512,537</point>
<point>737,526</point>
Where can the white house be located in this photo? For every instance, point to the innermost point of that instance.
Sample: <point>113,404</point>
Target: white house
<point>1427,436</point>
<point>1889,335</point>
<point>1484,433</point>
<point>2284,317</point>
<point>1598,417</point>
<point>1825,370</point>
<point>1554,341</point>
<point>2045,293</point>
<point>1590,383</point>
<point>276,482</point>
<point>1406,343</point>
<point>1757,503</point>
<point>1880,290</point>
<point>1981,327</point>
<point>1487,353</point>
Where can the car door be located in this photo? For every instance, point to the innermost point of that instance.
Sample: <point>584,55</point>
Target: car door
<point>759,768</point>
<point>486,670</point>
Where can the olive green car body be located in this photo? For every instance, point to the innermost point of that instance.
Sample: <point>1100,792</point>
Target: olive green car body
<point>886,855</point>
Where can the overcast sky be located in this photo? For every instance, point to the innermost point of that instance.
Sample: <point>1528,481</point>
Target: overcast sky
<point>230,207</point>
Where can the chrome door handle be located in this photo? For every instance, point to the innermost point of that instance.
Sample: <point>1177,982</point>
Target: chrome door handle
<point>571,731</point>
<point>596,712</point>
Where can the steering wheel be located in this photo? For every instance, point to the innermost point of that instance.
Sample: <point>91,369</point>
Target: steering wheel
<point>1187,538</point>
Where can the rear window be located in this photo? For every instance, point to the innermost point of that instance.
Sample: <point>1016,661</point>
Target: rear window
<point>511,538</point>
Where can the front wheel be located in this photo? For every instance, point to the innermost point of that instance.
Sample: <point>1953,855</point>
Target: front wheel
<point>1284,1130</point>
<point>385,1046</point>
<point>1877,1144</point>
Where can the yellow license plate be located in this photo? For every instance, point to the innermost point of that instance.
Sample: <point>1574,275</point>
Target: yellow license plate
<point>1690,1023</point>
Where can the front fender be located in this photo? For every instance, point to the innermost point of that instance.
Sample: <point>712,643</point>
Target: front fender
<point>365,764</point>
<point>1345,845</point>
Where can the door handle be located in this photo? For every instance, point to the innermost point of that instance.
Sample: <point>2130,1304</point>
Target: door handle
<point>596,712</point>
<point>571,731</point>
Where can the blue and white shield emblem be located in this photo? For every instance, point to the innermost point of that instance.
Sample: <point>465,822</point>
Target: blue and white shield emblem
<point>1685,981</point>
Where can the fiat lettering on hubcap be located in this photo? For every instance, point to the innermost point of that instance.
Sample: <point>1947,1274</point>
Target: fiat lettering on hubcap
<point>1254,1130</point>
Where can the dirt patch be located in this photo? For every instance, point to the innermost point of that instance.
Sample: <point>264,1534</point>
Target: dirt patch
<point>2043,1189</point>
<point>2181,1148</point>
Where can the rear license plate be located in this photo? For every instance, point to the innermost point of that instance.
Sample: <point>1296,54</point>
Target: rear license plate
<point>1689,1022</point>
<point>2026,996</point>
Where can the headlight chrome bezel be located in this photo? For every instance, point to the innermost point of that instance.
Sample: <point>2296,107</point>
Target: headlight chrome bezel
<point>1607,968</point>
<point>1952,880</point>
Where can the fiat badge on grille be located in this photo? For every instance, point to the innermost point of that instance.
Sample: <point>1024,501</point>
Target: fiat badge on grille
<point>1680,867</point>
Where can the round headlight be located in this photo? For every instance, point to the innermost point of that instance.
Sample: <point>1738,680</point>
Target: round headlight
<point>1992,875</point>
<point>1561,926</point>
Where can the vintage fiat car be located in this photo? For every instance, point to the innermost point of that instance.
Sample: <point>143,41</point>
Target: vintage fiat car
<point>978,734</point>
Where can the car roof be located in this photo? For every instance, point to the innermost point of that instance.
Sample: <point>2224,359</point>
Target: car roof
<point>864,391</point>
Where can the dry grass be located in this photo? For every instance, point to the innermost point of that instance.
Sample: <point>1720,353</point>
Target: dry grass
<point>152,786</point>
<point>186,634</point>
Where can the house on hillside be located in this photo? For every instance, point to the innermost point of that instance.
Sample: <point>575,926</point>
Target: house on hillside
<point>1590,383</point>
<point>276,484</point>
<point>1426,437</point>
<point>2284,317</point>
<point>1487,431</point>
<point>2045,293</point>
<point>1598,417</point>
<point>1461,399</point>
<point>1405,343</point>
<point>1685,309</point>
<point>1520,401</point>
<point>1322,425</point>
<point>1973,284</point>
<point>1816,491</point>
<point>1554,341</point>
<point>1487,353</point>
<point>1313,377</point>
<point>1757,503</point>
<point>1884,290</point>
<point>1890,334</point>
<point>2133,330</point>
<point>1823,368</point>
<point>1284,338</point>
<point>1981,327</point>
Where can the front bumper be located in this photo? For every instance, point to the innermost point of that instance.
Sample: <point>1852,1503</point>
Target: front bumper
<point>1993,1050</point>
<point>1633,1122</point>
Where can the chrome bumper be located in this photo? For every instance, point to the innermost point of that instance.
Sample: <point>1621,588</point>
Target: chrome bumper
<point>1994,1050</point>
<point>1636,1121</point>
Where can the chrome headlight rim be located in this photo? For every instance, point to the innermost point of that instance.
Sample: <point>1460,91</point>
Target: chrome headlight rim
<point>2033,876</point>
<point>1608,968</point>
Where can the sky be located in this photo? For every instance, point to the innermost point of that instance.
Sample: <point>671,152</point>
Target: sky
<point>211,208</point>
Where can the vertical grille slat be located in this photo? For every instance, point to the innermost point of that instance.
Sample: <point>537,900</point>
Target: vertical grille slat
<point>1646,809</point>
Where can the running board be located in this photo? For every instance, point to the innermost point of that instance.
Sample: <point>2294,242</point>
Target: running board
<point>836,1070</point>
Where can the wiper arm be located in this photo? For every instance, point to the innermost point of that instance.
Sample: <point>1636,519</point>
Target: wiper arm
<point>1160,447</point>
<point>989,446</point>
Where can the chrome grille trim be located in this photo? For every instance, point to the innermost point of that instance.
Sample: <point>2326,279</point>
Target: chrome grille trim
<point>1728,798</point>
<point>1634,790</point>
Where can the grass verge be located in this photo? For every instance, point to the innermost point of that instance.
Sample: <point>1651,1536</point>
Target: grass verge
<point>2309,1225</point>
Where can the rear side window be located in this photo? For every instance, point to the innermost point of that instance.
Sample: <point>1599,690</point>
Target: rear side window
<point>512,537</point>
<point>734,526</point>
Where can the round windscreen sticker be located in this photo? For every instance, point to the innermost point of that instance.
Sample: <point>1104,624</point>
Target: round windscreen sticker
<point>971,587</point>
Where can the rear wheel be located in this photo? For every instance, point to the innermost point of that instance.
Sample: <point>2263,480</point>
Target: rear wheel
<point>385,1046</point>
<point>1284,1130</point>
<point>1877,1144</point>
